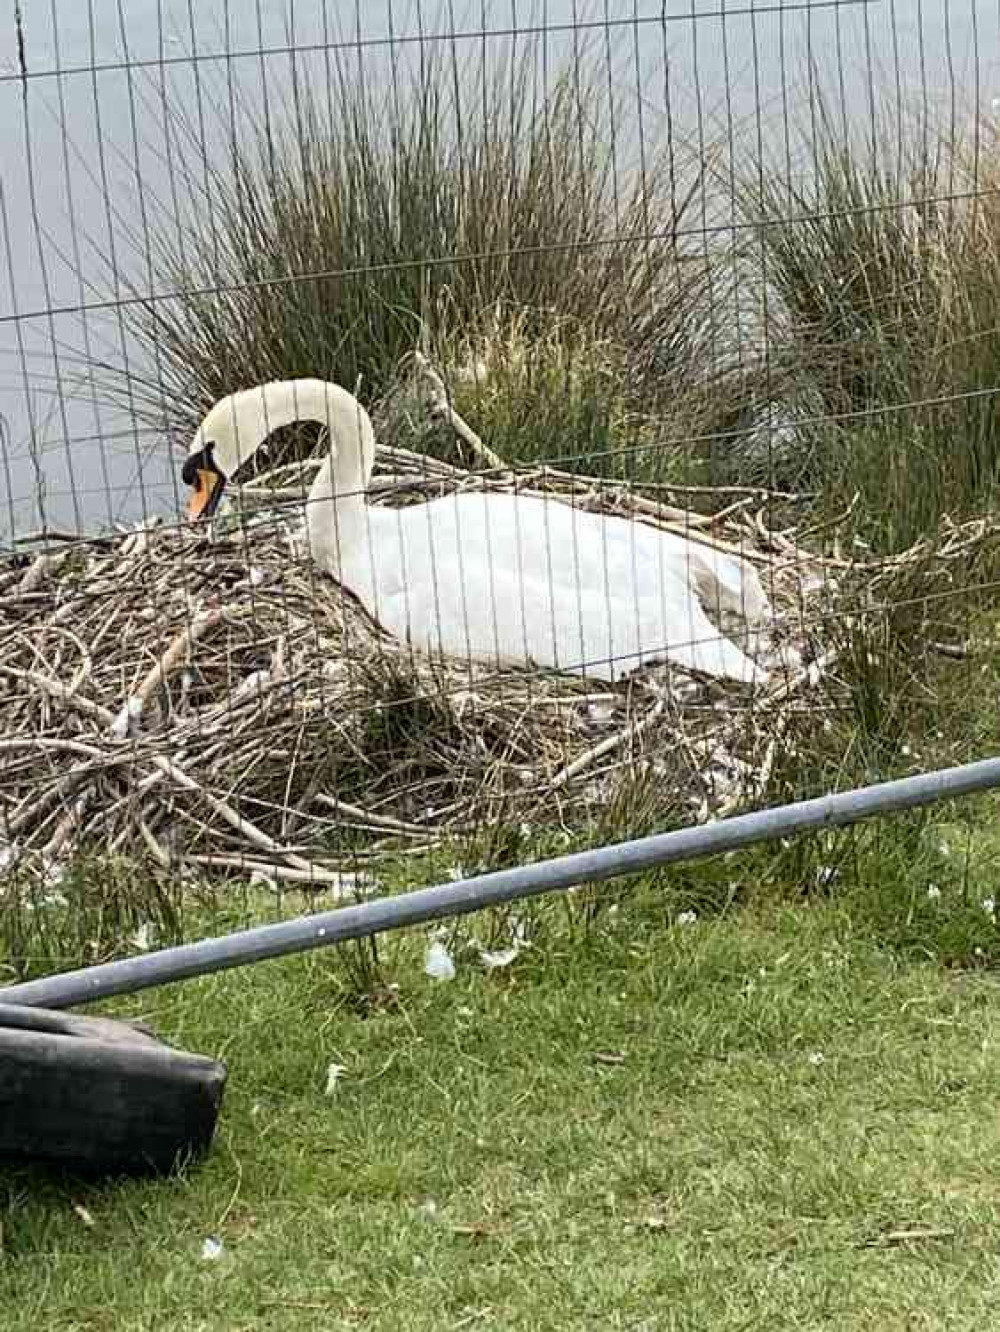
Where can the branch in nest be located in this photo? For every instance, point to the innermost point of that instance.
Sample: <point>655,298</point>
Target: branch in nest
<point>630,733</point>
<point>175,654</point>
<point>366,819</point>
<point>441,407</point>
<point>39,569</point>
<point>344,882</point>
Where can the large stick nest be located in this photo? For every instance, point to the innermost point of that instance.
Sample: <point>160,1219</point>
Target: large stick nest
<point>208,701</point>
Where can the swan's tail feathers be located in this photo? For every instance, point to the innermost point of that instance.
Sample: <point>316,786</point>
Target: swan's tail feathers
<point>726,583</point>
<point>754,605</point>
<point>719,657</point>
<point>708,652</point>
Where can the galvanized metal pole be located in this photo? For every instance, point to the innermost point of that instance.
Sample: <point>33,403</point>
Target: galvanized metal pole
<point>467,895</point>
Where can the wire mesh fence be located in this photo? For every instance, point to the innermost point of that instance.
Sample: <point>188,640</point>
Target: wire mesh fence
<point>655,483</point>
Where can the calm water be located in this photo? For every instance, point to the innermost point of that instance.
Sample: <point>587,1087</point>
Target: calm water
<point>87,150</point>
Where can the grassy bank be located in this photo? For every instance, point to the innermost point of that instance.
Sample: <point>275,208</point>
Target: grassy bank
<point>882,265</point>
<point>775,1118</point>
<point>587,306</point>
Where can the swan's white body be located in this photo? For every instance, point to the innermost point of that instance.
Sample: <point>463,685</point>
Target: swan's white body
<point>507,579</point>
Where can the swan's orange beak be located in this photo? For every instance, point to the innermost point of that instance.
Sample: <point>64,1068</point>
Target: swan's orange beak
<point>205,495</point>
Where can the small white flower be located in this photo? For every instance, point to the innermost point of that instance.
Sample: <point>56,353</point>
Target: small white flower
<point>945,850</point>
<point>8,856</point>
<point>333,1075</point>
<point>905,751</point>
<point>989,906</point>
<point>143,938</point>
<point>933,893</point>
<point>600,713</point>
<point>817,1058</point>
<point>687,918</point>
<point>439,964</point>
<point>495,961</point>
<point>127,721</point>
<point>53,871</point>
<point>211,1250</point>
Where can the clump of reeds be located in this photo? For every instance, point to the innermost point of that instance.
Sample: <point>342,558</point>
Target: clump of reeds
<point>332,241</point>
<point>880,261</point>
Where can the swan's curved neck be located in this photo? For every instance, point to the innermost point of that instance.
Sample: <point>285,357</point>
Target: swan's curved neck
<point>336,513</point>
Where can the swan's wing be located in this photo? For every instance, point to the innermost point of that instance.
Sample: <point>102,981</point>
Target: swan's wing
<point>491,578</point>
<point>727,583</point>
<point>492,615</point>
<point>498,618</point>
<point>571,547</point>
<point>722,581</point>
<point>693,641</point>
<point>609,554</point>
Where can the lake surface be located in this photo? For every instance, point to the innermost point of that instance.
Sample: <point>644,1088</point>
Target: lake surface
<point>93,159</point>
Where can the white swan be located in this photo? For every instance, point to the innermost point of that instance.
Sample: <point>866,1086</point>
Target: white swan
<point>507,579</point>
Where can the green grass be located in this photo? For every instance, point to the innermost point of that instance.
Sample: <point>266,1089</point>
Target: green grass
<point>642,1123</point>
<point>717,1175</point>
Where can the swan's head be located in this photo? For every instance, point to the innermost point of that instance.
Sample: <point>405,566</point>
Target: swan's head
<point>238,425</point>
<point>229,436</point>
<point>203,474</point>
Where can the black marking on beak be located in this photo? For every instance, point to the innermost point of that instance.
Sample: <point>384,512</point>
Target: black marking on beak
<point>202,461</point>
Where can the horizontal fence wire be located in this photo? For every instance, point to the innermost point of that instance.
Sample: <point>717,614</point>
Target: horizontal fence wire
<point>656,485</point>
